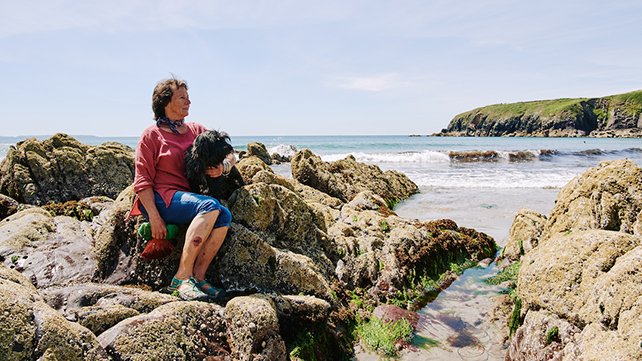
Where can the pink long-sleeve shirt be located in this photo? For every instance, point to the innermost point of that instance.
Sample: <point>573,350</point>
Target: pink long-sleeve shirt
<point>160,162</point>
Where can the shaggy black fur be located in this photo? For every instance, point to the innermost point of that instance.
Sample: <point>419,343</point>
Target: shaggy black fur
<point>208,150</point>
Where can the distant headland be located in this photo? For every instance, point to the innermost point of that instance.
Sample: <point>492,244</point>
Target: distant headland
<point>611,116</point>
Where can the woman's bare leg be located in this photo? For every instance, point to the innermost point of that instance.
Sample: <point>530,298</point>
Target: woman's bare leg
<point>209,251</point>
<point>198,233</point>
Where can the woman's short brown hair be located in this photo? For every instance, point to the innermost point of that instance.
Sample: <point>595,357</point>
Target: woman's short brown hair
<point>162,95</point>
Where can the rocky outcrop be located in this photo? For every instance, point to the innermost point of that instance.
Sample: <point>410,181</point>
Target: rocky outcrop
<point>383,253</point>
<point>293,250</point>
<point>613,116</point>
<point>345,178</point>
<point>608,196</point>
<point>60,169</point>
<point>580,288</point>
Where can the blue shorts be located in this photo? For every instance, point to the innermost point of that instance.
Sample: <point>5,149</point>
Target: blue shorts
<point>185,206</point>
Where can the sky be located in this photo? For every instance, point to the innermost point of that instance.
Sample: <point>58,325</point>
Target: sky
<point>305,67</point>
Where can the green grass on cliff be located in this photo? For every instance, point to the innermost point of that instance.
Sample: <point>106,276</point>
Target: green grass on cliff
<point>545,108</point>
<point>631,102</point>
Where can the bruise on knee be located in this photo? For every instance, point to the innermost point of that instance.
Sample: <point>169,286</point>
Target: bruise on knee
<point>197,241</point>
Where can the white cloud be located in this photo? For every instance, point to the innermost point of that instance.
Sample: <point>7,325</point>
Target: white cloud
<point>373,83</point>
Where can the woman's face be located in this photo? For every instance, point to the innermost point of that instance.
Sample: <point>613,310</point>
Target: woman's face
<point>178,107</point>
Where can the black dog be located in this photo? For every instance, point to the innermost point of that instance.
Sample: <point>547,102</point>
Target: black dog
<point>209,150</point>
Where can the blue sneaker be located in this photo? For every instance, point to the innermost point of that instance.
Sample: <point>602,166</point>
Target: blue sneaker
<point>209,289</point>
<point>187,290</point>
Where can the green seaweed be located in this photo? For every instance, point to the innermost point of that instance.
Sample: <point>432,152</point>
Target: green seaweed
<point>507,274</point>
<point>516,317</point>
<point>382,337</point>
<point>552,334</point>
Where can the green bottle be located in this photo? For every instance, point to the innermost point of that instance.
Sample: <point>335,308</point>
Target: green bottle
<point>145,231</point>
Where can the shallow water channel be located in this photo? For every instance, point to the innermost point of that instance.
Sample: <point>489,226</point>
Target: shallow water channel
<point>457,325</point>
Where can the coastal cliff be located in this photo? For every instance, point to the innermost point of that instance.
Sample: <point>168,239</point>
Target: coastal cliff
<point>612,116</point>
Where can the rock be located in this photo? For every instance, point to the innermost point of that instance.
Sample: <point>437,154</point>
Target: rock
<point>175,331</point>
<point>392,313</point>
<point>384,253</point>
<point>277,210</point>
<point>572,276</point>
<point>591,279</point>
<point>299,309</point>
<point>311,196</point>
<point>530,341</point>
<point>8,206</point>
<point>100,306</point>
<point>474,156</point>
<point>30,329</point>
<point>249,167</point>
<point>261,342</point>
<point>524,234</point>
<point>48,250</point>
<point>608,197</point>
<point>269,177</point>
<point>61,169</point>
<point>247,261</point>
<point>345,178</point>
<point>258,150</point>
<point>301,246</point>
<point>485,262</point>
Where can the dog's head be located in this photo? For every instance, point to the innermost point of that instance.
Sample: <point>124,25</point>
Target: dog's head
<point>210,148</point>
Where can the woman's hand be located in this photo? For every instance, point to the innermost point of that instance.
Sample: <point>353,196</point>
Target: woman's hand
<point>159,231</point>
<point>214,172</point>
<point>157,223</point>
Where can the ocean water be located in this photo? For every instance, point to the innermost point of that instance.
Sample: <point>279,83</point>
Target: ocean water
<point>477,190</point>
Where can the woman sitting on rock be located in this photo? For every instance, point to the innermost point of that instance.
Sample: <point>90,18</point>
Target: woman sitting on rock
<point>163,194</point>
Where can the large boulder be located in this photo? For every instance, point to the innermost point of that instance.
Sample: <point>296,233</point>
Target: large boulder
<point>545,336</point>
<point>580,287</point>
<point>49,250</point>
<point>248,261</point>
<point>345,178</point>
<point>608,197</point>
<point>174,331</point>
<point>253,329</point>
<point>61,169</point>
<point>591,280</point>
<point>30,329</point>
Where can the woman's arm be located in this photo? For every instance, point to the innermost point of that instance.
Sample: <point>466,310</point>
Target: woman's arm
<point>157,223</point>
<point>145,164</point>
